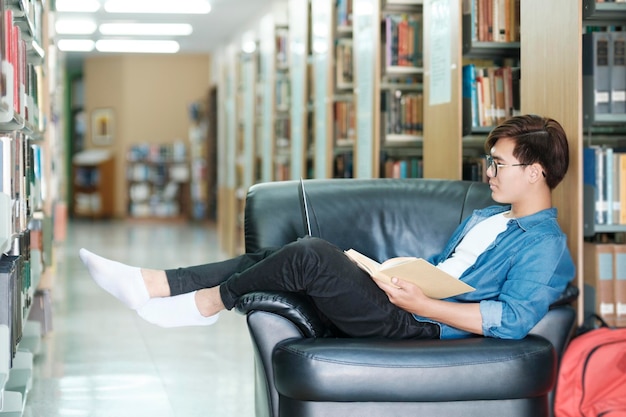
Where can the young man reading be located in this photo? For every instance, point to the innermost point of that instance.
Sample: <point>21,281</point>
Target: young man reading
<point>515,256</point>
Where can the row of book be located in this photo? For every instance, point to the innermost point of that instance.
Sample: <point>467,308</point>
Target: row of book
<point>159,173</point>
<point>158,152</point>
<point>405,167</point>
<point>604,75</point>
<point>343,165</point>
<point>403,112</point>
<point>403,42</point>
<point>343,9</point>
<point>16,293</point>
<point>493,92</point>
<point>20,180</point>
<point>283,92</point>
<point>344,70</point>
<point>344,120</point>
<point>474,168</point>
<point>495,20</point>
<point>604,169</point>
<point>20,78</point>
<point>282,47</point>
<point>605,271</point>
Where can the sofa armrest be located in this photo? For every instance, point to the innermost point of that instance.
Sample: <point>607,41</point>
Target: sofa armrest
<point>296,308</point>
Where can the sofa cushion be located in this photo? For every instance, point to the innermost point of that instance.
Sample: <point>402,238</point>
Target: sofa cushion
<point>414,371</point>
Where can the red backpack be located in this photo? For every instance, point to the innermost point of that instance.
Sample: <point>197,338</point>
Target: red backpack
<point>592,375</point>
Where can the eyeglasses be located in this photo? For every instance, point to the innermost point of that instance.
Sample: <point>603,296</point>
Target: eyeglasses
<point>493,164</point>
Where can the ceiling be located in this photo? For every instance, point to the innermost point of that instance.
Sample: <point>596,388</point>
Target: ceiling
<point>227,20</point>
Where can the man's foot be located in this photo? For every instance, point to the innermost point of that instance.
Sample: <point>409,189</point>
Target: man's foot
<point>176,311</point>
<point>122,281</point>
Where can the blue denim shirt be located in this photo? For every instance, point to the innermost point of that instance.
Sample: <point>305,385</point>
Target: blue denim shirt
<point>518,276</point>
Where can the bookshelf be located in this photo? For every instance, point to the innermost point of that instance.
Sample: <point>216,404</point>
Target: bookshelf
<point>299,52</point>
<point>274,81</point>
<point>92,181</point>
<point>227,127</point>
<point>388,83</point>
<point>26,180</point>
<point>245,158</point>
<point>202,161</point>
<point>333,103</point>
<point>604,125</point>
<point>158,178</point>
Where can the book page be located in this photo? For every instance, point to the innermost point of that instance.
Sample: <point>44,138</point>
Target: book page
<point>396,261</point>
<point>433,281</point>
<point>369,265</point>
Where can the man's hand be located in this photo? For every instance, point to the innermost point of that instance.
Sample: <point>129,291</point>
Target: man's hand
<point>409,297</point>
<point>405,295</point>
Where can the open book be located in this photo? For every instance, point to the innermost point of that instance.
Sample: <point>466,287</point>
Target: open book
<point>433,281</point>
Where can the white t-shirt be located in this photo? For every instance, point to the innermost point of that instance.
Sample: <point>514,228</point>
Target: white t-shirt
<point>473,244</point>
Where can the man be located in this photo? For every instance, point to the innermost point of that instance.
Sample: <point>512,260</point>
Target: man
<point>515,256</point>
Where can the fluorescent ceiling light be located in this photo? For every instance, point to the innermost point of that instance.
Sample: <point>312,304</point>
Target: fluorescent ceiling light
<point>146,29</point>
<point>142,46</point>
<point>75,27</point>
<point>77,5</point>
<point>158,6</point>
<point>75,45</point>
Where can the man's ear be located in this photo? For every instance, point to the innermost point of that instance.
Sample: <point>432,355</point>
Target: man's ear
<point>536,172</point>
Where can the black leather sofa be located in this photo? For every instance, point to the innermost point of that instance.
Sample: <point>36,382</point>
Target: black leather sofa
<point>303,369</point>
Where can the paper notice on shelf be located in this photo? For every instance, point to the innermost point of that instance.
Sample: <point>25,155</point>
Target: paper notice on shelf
<point>440,66</point>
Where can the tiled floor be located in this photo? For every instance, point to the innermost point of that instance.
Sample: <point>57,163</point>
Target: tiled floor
<point>102,360</point>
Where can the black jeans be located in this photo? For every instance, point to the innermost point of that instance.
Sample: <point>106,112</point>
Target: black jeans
<point>340,290</point>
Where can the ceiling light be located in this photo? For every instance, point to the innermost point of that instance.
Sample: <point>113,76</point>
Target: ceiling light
<point>77,5</point>
<point>158,6</point>
<point>146,29</point>
<point>141,46</point>
<point>75,27</point>
<point>75,45</point>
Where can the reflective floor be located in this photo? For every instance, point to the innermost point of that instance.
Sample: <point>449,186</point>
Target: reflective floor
<point>101,359</point>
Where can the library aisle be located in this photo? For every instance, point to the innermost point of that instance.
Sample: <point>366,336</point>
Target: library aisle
<point>102,360</point>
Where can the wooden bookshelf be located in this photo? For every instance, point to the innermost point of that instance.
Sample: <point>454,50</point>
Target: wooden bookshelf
<point>158,177</point>
<point>93,185</point>
<point>299,51</point>
<point>28,188</point>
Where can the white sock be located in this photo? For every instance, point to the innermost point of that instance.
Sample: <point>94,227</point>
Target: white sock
<point>122,281</point>
<point>177,311</point>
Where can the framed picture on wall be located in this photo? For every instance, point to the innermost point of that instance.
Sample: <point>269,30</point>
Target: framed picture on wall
<point>102,126</point>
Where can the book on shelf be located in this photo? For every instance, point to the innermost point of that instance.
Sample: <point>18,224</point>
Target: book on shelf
<point>343,9</point>
<point>495,20</point>
<point>604,169</point>
<point>403,112</point>
<point>596,75</point>
<point>343,165</point>
<point>618,73</point>
<point>599,273</point>
<point>343,123</point>
<point>620,284</point>
<point>403,46</point>
<point>344,75</point>
<point>490,94</point>
<point>434,282</point>
<point>407,167</point>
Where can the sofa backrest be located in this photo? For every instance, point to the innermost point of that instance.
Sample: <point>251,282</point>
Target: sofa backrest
<point>381,218</point>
